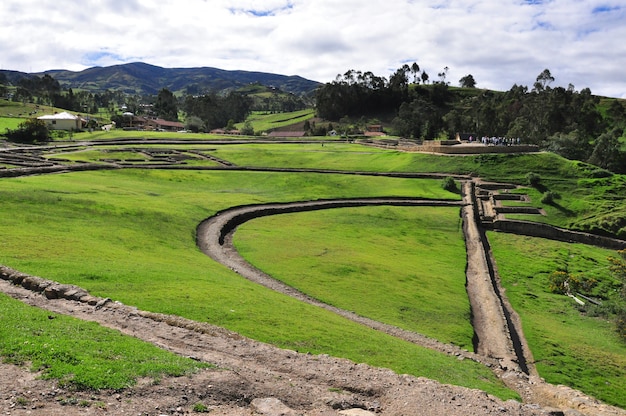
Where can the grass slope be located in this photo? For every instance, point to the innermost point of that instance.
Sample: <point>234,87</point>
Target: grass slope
<point>570,345</point>
<point>403,266</point>
<point>585,202</point>
<point>268,122</point>
<point>123,232</point>
<point>81,354</point>
<point>129,235</point>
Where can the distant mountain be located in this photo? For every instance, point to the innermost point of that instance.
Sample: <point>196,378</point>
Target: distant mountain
<point>142,78</point>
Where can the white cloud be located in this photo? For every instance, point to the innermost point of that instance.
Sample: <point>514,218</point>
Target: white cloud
<point>499,42</point>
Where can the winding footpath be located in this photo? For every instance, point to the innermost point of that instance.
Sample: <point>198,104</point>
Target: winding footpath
<point>499,340</point>
<point>214,238</point>
<point>492,336</point>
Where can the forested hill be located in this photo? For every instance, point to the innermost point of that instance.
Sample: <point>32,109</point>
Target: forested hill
<point>144,79</point>
<point>575,124</point>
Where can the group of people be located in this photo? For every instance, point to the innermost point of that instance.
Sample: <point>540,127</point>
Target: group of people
<point>497,141</point>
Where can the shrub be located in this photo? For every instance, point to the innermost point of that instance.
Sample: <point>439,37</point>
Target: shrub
<point>558,282</point>
<point>564,283</point>
<point>194,124</point>
<point>247,129</point>
<point>60,134</point>
<point>30,131</point>
<point>449,184</point>
<point>533,179</point>
<point>549,197</point>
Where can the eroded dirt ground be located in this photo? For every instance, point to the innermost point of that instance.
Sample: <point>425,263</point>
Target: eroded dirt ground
<point>246,370</point>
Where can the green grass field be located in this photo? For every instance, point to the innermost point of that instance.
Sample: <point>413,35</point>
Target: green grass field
<point>81,354</point>
<point>11,123</point>
<point>129,235</point>
<point>124,233</point>
<point>570,346</point>
<point>402,266</point>
<point>267,122</point>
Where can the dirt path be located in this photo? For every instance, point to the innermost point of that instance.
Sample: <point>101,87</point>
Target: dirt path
<point>214,237</point>
<point>492,336</point>
<point>498,338</point>
<point>249,373</point>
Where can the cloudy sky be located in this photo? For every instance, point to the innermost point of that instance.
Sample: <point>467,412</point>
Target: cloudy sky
<point>499,42</point>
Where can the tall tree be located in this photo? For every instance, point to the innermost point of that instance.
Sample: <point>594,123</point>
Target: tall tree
<point>418,119</point>
<point>616,112</point>
<point>415,69</point>
<point>215,111</point>
<point>166,105</point>
<point>467,81</point>
<point>606,152</point>
<point>443,74</point>
<point>543,80</point>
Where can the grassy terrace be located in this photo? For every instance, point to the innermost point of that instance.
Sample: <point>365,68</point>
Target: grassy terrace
<point>129,235</point>
<point>585,202</point>
<point>265,122</point>
<point>402,266</point>
<point>571,345</point>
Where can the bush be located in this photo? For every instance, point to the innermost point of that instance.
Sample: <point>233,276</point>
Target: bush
<point>247,129</point>
<point>200,408</point>
<point>533,179</point>
<point>449,184</point>
<point>30,132</point>
<point>194,124</point>
<point>549,197</point>
<point>564,283</point>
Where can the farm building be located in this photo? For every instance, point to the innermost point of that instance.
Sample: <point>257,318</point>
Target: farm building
<point>150,123</point>
<point>162,125</point>
<point>62,121</point>
<point>374,130</point>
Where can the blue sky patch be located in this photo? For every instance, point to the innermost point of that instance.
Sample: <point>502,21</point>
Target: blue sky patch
<point>96,58</point>
<point>263,12</point>
<point>542,24</point>
<point>605,9</point>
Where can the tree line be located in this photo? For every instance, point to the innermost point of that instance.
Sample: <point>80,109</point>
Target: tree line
<point>46,90</point>
<point>202,111</point>
<point>562,120</point>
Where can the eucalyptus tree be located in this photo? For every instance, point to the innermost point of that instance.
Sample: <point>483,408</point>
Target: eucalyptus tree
<point>166,105</point>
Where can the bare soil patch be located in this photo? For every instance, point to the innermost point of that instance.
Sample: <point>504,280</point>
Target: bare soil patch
<point>246,370</point>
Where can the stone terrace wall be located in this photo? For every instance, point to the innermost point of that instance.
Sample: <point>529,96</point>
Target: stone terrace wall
<point>534,229</point>
<point>438,147</point>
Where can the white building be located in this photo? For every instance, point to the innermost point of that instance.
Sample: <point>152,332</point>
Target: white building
<point>62,121</point>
